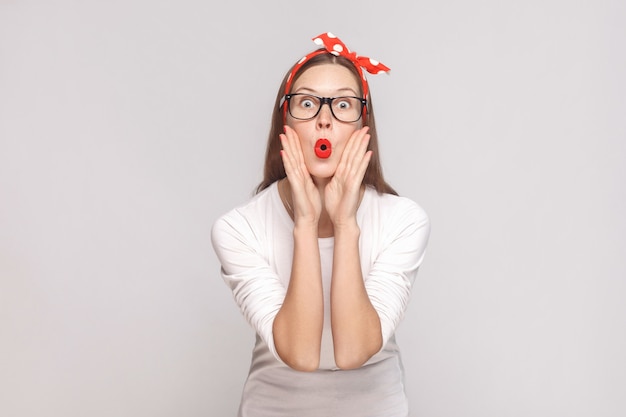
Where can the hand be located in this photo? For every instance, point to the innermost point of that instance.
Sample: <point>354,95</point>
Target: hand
<point>307,202</point>
<point>343,192</point>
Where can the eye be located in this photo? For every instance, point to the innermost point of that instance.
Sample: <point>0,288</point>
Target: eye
<point>307,103</point>
<point>343,103</point>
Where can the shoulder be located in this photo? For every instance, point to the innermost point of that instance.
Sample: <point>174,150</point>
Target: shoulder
<point>246,218</point>
<point>397,228</point>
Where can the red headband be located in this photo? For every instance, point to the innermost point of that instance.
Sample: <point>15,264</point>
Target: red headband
<point>333,45</point>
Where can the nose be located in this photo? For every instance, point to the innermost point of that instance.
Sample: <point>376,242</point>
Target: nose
<point>325,117</point>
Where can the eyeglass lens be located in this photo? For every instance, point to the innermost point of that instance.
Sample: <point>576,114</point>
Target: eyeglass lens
<point>345,109</point>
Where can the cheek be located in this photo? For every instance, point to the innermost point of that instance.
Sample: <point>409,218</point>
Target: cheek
<point>346,134</point>
<point>304,132</point>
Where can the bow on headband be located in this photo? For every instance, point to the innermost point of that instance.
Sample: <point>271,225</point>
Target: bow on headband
<point>333,45</point>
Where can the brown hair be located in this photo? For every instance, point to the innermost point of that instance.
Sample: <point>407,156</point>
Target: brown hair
<point>274,169</point>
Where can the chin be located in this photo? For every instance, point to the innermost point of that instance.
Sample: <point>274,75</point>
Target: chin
<point>322,173</point>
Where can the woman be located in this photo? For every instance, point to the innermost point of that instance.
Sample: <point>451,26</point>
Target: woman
<point>322,259</point>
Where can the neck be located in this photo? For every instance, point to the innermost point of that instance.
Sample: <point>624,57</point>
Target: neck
<point>325,226</point>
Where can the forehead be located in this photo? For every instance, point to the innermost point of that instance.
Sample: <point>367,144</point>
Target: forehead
<point>326,79</point>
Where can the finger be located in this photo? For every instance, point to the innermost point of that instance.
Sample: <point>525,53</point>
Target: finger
<point>289,142</point>
<point>353,154</point>
<point>298,174</point>
<point>358,144</point>
<point>290,161</point>
<point>285,155</point>
<point>295,147</point>
<point>293,137</point>
<point>352,145</point>
<point>364,163</point>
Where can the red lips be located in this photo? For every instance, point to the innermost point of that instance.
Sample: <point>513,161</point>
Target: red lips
<point>322,148</point>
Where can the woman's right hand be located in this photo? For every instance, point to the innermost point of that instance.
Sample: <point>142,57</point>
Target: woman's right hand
<point>307,201</point>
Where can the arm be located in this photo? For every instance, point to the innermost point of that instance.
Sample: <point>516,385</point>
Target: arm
<point>404,233</point>
<point>298,324</point>
<point>241,248</point>
<point>355,323</point>
<point>289,320</point>
<point>365,311</point>
<point>404,230</point>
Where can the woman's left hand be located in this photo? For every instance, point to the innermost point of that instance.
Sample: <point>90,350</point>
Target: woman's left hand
<point>343,192</point>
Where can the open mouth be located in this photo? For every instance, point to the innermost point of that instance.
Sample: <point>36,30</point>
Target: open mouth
<point>322,148</point>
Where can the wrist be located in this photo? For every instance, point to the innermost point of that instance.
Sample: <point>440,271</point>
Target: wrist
<point>305,228</point>
<point>348,228</point>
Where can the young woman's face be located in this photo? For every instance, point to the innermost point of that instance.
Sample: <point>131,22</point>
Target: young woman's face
<point>327,80</point>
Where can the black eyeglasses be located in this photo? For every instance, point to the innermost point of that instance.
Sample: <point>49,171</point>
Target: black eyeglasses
<point>306,106</point>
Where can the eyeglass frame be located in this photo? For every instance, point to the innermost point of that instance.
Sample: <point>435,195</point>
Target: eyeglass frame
<point>324,100</point>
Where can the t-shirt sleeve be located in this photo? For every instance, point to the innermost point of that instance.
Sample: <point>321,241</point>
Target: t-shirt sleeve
<point>406,229</point>
<point>256,288</point>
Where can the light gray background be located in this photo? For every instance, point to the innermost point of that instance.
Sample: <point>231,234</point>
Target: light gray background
<point>128,127</point>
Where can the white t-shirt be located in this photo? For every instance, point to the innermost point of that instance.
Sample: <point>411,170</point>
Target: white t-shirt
<point>254,244</point>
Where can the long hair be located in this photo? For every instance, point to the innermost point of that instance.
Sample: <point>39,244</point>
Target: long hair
<point>274,169</point>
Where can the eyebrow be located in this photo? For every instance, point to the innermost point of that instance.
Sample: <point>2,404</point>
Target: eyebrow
<point>341,90</point>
